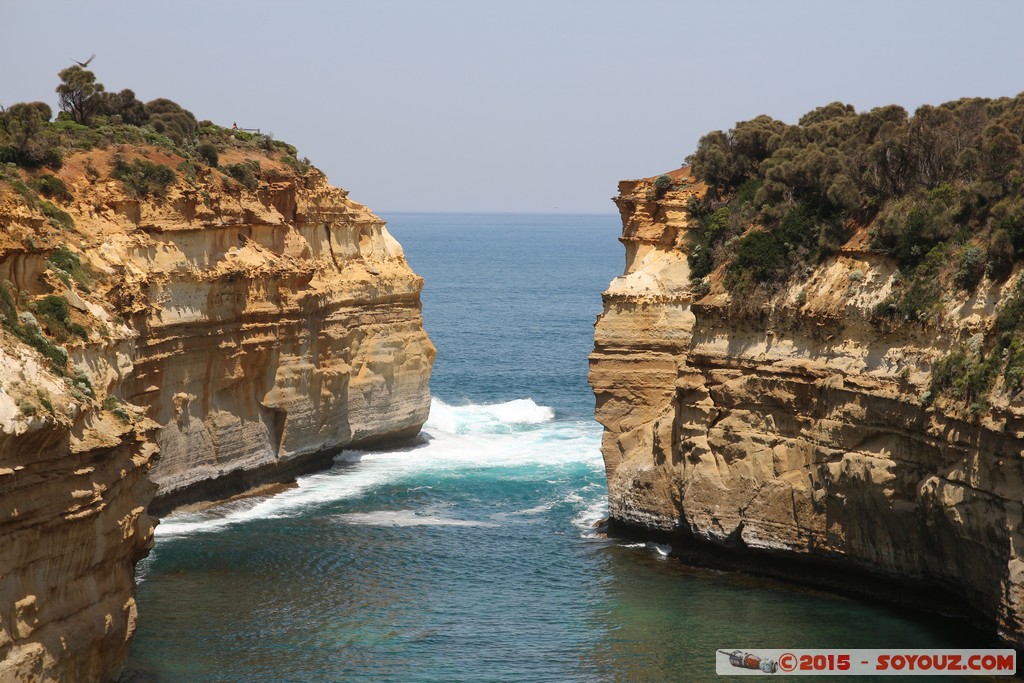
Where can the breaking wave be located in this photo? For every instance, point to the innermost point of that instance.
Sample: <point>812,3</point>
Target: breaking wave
<point>520,439</point>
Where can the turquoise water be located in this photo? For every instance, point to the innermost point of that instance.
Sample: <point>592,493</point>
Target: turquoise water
<point>471,557</point>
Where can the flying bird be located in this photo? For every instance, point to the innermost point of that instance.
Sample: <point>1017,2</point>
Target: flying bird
<point>85,63</point>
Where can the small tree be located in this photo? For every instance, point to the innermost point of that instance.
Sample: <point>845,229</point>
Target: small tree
<point>23,123</point>
<point>207,151</point>
<point>78,94</point>
<point>171,119</point>
<point>125,106</point>
<point>1000,255</point>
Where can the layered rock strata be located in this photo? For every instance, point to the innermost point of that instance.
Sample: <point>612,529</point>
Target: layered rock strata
<point>797,439</point>
<point>274,329</point>
<point>73,495</point>
<point>219,336</point>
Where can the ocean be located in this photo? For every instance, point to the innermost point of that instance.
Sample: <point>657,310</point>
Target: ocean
<point>472,556</point>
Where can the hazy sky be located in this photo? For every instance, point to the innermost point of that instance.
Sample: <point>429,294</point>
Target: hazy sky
<point>512,106</point>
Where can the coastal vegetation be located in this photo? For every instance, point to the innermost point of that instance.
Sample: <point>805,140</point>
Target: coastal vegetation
<point>34,145</point>
<point>940,192</point>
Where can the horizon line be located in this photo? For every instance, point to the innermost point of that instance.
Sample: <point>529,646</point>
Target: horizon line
<point>500,213</point>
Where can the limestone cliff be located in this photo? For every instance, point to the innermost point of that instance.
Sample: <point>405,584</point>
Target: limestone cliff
<point>797,438</point>
<point>276,326</point>
<point>183,339</point>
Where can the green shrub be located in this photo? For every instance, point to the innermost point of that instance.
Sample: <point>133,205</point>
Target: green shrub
<point>1001,254</point>
<point>189,171</point>
<point>913,305</point>
<point>78,330</point>
<point>712,229</point>
<point>53,314</point>
<point>25,138</point>
<point>57,356</point>
<point>124,107</point>
<point>274,175</point>
<point>171,119</point>
<point>283,146</point>
<point>143,178</point>
<point>56,217</point>
<point>941,176</point>
<point>113,405</point>
<point>68,262</point>
<point>207,151</point>
<point>53,306</point>
<point>661,185</point>
<point>964,377</point>
<point>909,228</point>
<point>761,256</point>
<point>971,268</point>
<point>246,173</point>
<point>1010,318</point>
<point>8,310</point>
<point>805,233</point>
<point>82,383</point>
<point>1013,373</point>
<point>52,187</point>
<point>26,193</point>
<point>299,166</point>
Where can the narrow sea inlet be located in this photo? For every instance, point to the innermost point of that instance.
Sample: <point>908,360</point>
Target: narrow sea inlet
<point>471,556</point>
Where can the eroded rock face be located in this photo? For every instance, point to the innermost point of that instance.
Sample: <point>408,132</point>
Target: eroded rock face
<point>218,337</point>
<point>73,524</point>
<point>799,433</point>
<point>272,333</point>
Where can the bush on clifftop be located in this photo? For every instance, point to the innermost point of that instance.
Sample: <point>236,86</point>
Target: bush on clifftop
<point>942,191</point>
<point>91,117</point>
<point>946,175</point>
<point>143,178</point>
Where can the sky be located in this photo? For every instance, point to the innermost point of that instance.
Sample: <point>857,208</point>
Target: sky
<point>521,106</point>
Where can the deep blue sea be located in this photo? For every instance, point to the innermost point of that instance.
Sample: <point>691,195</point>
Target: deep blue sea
<point>472,557</point>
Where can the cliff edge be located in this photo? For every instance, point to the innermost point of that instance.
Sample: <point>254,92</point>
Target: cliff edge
<point>824,421</point>
<point>801,433</point>
<point>177,326</point>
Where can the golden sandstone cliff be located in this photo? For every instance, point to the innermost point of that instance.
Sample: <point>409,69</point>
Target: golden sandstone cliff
<point>794,439</point>
<point>218,335</point>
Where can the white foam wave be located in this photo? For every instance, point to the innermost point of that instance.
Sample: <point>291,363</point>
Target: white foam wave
<point>471,439</point>
<point>660,549</point>
<point>405,518</point>
<point>500,418</point>
<point>589,516</point>
<point>537,509</point>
